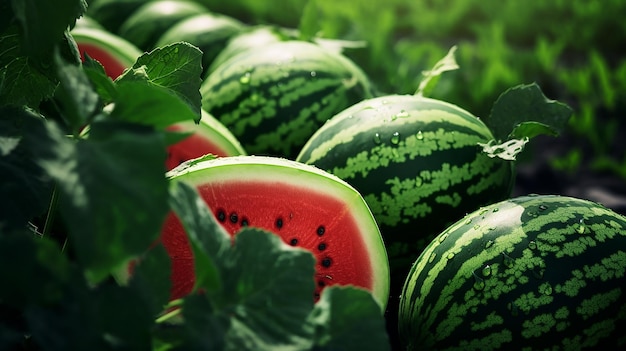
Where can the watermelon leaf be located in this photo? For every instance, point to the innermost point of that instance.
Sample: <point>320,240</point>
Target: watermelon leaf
<point>150,104</point>
<point>309,21</point>
<point>431,77</point>
<point>268,292</point>
<point>102,83</point>
<point>177,66</point>
<point>208,239</point>
<point>524,111</point>
<point>151,278</point>
<point>109,201</point>
<point>343,316</point>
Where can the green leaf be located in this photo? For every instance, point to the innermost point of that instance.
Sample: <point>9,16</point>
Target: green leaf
<point>204,329</point>
<point>75,94</point>
<point>102,83</point>
<point>309,21</point>
<point>431,77</point>
<point>268,293</point>
<point>21,83</point>
<point>348,318</point>
<point>44,22</point>
<point>507,150</point>
<point>523,104</point>
<point>113,192</point>
<point>151,278</point>
<point>21,179</point>
<point>208,240</point>
<point>33,270</point>
<point>177,66</point>
<point>149,104</point>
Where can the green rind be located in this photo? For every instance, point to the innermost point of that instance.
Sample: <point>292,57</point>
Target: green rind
<point>112,13</point>
<point>209,32</point>
<point>273,169</point>
<point>534,271</point>
<point>417,163</point>
<point>147,23</point>
<point>274,98</point>
<point>124,51</point>
<point>251,38</point>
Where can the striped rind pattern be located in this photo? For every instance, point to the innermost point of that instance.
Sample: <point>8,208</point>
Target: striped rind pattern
<point>274,98</point>
<point>534,272</point>
<point>417,163</point>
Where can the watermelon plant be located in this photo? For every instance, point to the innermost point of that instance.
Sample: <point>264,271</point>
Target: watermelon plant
<point>82,168</point>
<point>304,206</point>
<point>274,98</point>
<point>537,271</point>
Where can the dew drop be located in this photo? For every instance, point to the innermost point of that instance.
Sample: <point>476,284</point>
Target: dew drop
<point>377,138</point>
<point>486,271</point>
<point>313,74</point>
<point>543,207</point>
<point>395,138</point>
<point>419,135</point>
<point>580,227</point>
<point>479,283</point>
<point>233,217</point>
<point>245,79</point>
<point>532,245</point>
<point>507,260</point>
<point>402,114</point>
<point>488,244</point>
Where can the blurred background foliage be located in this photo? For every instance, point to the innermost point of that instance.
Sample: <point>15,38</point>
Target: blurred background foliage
<point>574,49</point>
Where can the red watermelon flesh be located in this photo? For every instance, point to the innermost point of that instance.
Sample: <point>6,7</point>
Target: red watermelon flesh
<point>112,66</point>
<point>347,251</point>
<point>209,136</point>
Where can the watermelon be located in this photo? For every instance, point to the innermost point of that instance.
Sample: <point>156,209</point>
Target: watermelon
<point>305,206</point>
<point>417,163</point>
<point>208,137</point>
<point>209,32</point>
<point>533,272</point>
<point>274,98</point>
<point>112,13</point>
<point>148,22</point>
<point>254,37</point>
<point>112,51</point>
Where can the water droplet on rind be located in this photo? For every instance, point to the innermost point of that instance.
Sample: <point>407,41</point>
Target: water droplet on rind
<point>532,245</point>
<point>479,283</point>
<point>395,138</point>
<point>507,260</point>
<point>419,135</point>
<point>377,138</point>
<point>245,78</point>
<point>486,271</point>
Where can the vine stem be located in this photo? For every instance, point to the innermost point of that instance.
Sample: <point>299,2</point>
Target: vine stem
<point>54,200</point>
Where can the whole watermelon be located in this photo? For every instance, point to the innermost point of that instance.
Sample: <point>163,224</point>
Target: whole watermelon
<point>542,272</point>
<point>275,97</point>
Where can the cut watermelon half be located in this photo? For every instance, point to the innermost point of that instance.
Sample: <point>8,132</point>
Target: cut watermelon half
<point>304,205</point>
<point>113,52</point>
<point>207,137</point>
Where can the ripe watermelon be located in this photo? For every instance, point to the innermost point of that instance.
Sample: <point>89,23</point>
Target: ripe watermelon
<point>209,32</point>
<point>209,137</point>
<point>274,98</point>
<point>534,272</point>
<point>147,23</point>
<point>305,206</point>
<point>114,52</point>
<point>417,163</point>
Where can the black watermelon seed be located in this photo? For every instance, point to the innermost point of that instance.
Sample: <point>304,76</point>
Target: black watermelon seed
<point>221,215</point>
<point>294,242</point>
<point>233,217</point>
<point>244,222</point>
<point>321,283</point>
<point>326,262</point>
<point>279,223</point>
<point>321,230</point>
<point>321,246</point>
